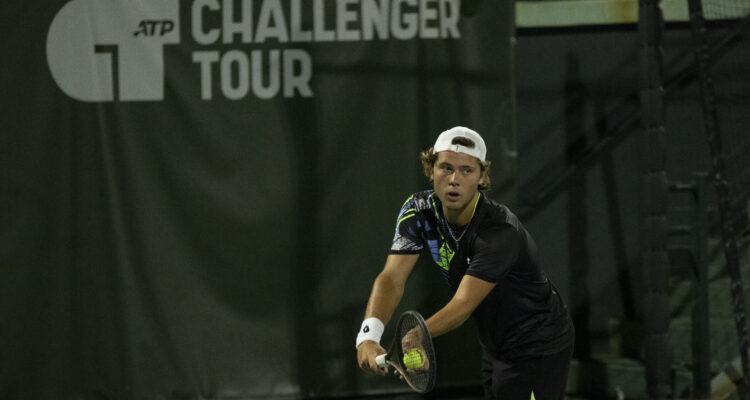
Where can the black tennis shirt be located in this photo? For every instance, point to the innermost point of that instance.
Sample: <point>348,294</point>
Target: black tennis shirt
<point>523,316</point>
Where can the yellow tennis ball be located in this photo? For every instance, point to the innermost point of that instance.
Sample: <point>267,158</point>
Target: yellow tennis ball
<point>414,359</point>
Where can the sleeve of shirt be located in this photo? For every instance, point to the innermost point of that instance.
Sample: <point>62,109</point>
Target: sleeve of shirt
<point>407,239</point>
<point>495,252</point>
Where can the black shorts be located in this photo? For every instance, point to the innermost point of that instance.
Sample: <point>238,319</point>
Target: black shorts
<point>547,376</point>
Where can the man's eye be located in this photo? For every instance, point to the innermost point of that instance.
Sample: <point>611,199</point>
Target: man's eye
<point>467,171</point>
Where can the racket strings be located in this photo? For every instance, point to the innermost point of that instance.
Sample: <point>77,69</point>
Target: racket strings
<point>416,342</point>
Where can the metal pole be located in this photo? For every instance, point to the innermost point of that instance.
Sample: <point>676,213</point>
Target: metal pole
<point>655,187</point>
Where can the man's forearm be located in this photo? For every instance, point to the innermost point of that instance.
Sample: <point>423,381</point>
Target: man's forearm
<point>448,318</point>
<point>471,291</point>
<point>385,296</point>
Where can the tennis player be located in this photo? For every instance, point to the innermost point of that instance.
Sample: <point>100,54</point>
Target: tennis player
<point>489,259</point>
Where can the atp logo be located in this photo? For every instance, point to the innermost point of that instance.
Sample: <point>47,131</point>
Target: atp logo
<point>112,50</point>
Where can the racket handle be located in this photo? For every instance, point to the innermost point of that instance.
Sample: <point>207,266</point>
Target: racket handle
<point>380,360</point>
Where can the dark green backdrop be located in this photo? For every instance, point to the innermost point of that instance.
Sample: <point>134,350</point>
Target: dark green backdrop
<point>191,248</point>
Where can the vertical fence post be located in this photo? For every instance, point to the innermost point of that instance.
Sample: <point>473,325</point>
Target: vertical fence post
<point>658,354</point>
<point>701,340</point>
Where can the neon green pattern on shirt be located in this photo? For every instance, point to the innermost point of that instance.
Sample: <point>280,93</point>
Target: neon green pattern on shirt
<point>446,255</point>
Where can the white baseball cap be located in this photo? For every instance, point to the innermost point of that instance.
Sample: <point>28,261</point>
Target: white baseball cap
<point>444,142</point>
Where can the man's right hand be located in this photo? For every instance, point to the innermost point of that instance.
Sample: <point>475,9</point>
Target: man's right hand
<point>366,353</point>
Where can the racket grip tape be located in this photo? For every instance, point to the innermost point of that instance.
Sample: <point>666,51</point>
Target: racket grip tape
<point>380,360</point>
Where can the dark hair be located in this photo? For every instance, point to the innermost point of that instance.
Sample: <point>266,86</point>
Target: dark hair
<point>428,158</point>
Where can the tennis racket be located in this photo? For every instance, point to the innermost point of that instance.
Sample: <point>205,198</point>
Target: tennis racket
<point>411,353</point>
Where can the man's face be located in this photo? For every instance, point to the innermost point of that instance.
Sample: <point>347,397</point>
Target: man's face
<point>456,177</point>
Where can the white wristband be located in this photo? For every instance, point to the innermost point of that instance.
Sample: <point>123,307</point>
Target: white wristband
<point>372,329</point>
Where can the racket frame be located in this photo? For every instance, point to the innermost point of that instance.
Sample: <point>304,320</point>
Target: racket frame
<point>395,355</point>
